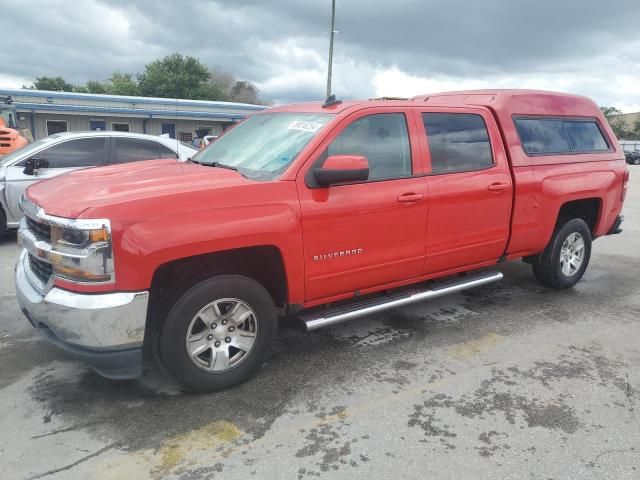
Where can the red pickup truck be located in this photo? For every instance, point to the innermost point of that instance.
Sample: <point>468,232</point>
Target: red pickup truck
<point>327,211</point>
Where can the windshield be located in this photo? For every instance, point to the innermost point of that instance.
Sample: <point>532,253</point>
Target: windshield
<point>264,145</point>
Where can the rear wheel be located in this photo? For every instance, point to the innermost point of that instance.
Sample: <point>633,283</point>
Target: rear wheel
<point>218,333</point>
<point>564,261</point>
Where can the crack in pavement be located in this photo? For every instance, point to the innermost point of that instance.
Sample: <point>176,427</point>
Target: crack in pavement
<point>77,462</point>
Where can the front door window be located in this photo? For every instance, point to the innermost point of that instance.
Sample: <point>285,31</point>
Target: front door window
<point>382,139</point>
<point>81,152</point>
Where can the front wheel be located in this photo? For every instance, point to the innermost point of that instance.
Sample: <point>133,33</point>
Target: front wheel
<point>218,333</point>
<point>564,261</point>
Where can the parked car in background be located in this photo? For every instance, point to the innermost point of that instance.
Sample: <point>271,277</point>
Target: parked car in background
<point>201,142</point>
<point>633,158</point>
<point>64,152</point>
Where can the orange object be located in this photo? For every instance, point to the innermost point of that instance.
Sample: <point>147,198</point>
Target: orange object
<point>10,139</point>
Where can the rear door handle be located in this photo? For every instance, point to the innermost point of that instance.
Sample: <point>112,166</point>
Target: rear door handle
<point>410,197</point>
<point>497,187</point>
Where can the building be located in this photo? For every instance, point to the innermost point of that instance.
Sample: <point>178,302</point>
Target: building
<point>44,113</point>
<point>630,119</point>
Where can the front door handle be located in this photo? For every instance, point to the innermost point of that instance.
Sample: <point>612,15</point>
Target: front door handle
<point>497,187</point>
<point>410,197</point>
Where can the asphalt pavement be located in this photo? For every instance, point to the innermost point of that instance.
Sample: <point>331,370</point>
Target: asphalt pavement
<point>507,381</point>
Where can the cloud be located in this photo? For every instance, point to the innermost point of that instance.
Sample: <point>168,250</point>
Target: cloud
<point>382,48</point>
<point>12,81</point>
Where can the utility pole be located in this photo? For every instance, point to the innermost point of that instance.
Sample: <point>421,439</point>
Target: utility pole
<point>333,31</point>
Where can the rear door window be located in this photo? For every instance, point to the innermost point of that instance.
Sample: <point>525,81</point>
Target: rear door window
<point>458,142</point>
<point>77,153</point>
<point>135,149</point>
<point>166,152</point>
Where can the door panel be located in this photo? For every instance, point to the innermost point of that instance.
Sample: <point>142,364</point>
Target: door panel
<point>135,149</point>
<point>468,223</point>
<point>365,234</point>
<point>470,189</point>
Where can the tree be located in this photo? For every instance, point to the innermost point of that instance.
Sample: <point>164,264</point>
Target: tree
<point>616,122</point>
<point>244,92</point>
<point>174,76</point>
<point>122,84</point>
<point>92,86</point>
<point>218,86</point>
<point>636,130</point>
<point>224,86</point>
<point>56,84</point>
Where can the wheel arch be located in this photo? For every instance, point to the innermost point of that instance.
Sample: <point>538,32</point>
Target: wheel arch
<point>262,263</point>
<point>588,209</point>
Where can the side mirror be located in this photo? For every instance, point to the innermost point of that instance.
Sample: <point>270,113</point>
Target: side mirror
<point>341,169</point>
<point>29,167</point>
<point>33,165</point>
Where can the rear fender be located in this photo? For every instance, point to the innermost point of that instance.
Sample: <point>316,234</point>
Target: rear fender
<point>558,190</point>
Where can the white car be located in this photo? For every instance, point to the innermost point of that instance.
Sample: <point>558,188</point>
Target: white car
<point>64,152</point>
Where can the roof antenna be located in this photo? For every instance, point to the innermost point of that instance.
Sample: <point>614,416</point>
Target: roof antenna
<point>331,100</point>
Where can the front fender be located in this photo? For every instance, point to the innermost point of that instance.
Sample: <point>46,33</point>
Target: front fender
<point>140,248</point>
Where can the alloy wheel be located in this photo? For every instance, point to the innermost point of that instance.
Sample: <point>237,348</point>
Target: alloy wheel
<point>572,254</point>
<point>221,335</point>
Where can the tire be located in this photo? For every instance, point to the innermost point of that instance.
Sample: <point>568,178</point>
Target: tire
<point>188,329</point>
<point>636,161</point>
<point>550,267</point>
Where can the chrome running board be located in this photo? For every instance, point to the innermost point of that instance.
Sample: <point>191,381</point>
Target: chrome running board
<point>318,318</point>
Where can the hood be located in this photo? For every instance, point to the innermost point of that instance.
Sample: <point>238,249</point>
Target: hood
<point>72,194</point>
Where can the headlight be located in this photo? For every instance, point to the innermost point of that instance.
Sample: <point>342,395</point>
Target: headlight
<point>78,249</point>
<point>81,251</point>
<point>77,238</point>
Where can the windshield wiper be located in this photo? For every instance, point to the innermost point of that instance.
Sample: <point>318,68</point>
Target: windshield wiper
<point>218,165</point>
<point>222,165</point>
<point>191,160</point>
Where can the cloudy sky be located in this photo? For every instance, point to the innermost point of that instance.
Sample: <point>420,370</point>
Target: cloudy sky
<point>394,48</point>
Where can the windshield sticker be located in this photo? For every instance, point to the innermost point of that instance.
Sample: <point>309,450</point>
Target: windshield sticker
<point>304,126</point>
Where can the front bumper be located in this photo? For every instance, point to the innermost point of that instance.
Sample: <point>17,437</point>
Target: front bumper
<point>104,330</point>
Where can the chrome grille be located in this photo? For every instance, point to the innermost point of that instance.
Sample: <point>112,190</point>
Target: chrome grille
<point>42,270</point>
<point>42,231</point>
